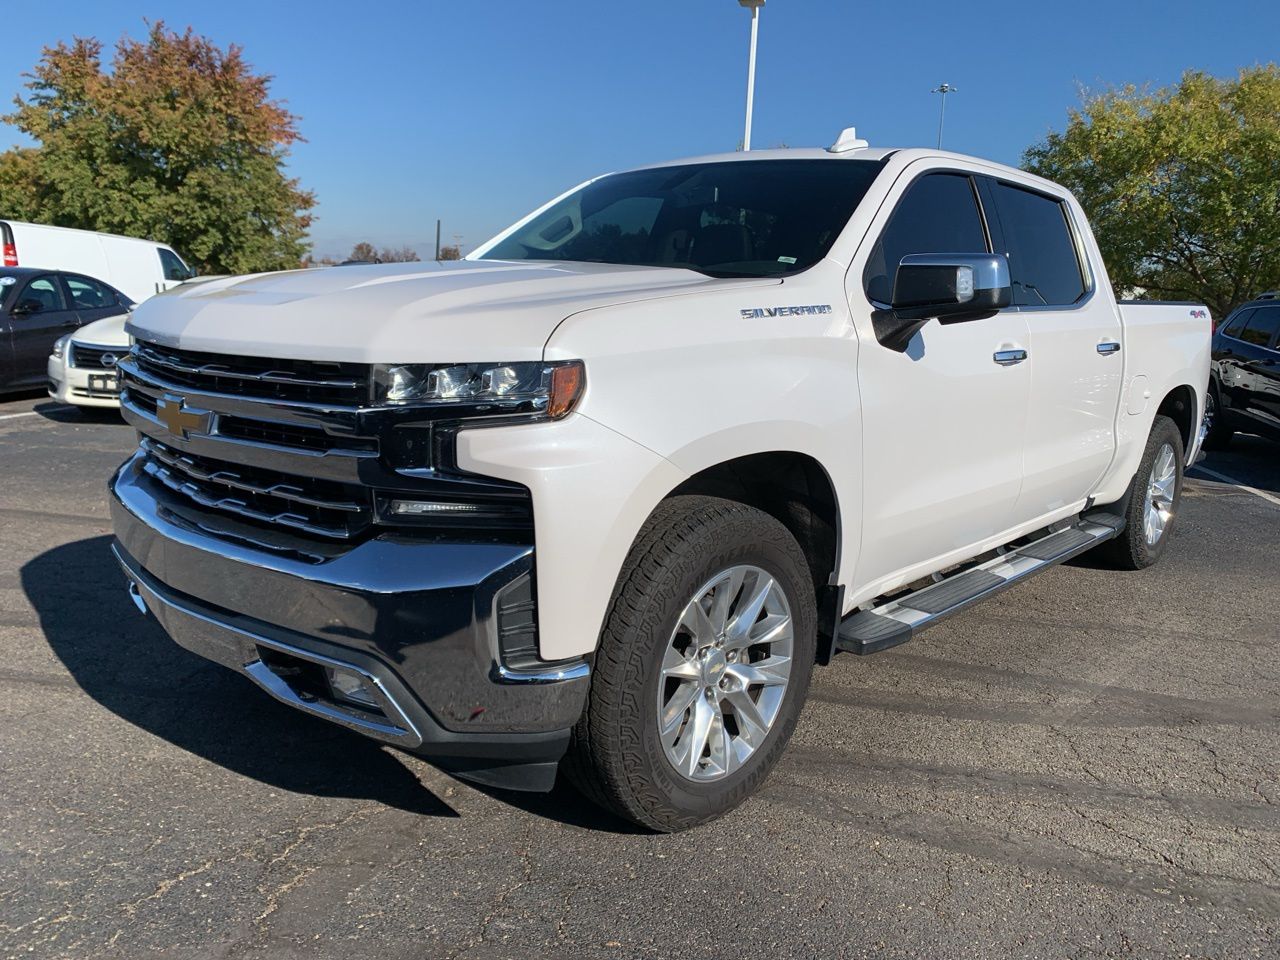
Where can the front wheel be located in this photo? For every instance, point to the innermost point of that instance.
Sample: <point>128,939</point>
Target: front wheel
<point>703,665</point>
<point>1153,501</point>
<point>1218,432</point>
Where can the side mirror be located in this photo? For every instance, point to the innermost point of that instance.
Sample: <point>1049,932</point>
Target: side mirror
<point>953,287</point>
<point>27,306</point>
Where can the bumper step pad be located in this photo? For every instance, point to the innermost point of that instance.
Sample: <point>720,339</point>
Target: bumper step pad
<point>899,619</point>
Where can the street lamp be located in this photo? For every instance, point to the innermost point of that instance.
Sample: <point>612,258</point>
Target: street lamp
<point>944,89</point>
<point>754,6</point>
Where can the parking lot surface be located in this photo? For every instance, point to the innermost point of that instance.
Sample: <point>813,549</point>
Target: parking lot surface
<point>1085,765</point>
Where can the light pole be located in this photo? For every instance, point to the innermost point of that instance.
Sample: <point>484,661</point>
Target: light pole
<point>754,6</point>
<point>944,89</point>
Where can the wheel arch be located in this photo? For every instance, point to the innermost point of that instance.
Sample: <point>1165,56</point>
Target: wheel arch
<point>1181,405</point>
<point>797,490</point>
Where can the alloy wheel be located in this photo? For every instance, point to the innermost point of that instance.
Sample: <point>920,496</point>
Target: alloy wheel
<point>725,672</point>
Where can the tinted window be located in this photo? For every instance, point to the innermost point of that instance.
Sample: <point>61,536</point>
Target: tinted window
<point>1262,326</point>
<point>937,214</point>
<point>47,292</point>
<point>1043,263</point>
<point>1237,323</point>
<point>174,269</point>
<point>740,218</point>
<point>89,294</point>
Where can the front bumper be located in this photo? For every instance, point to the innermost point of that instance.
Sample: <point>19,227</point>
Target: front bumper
<point>416,618</point>
<point>81,386</point>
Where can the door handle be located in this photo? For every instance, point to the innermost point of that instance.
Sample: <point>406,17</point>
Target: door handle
<point>1108,347</point>
<point>1007,358</point>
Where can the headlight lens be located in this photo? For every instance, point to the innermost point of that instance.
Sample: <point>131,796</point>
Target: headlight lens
<point>526,387</point>
<point>60,346</point>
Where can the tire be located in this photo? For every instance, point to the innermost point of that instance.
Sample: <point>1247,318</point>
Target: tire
<point>617,756</point>
<point>1132,549</point>
<point>1220,431</point>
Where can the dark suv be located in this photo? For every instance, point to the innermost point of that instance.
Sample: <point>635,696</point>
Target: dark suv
<point>1244,392</point>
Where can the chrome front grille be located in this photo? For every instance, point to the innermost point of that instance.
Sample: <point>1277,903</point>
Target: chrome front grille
<point>278,470</point>
<point>303,381</point>
<point>315,506</point>
<point>89,357</point>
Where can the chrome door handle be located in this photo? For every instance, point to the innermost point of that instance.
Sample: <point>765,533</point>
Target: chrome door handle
<point>1007,358</point>
<point>1108,347</point>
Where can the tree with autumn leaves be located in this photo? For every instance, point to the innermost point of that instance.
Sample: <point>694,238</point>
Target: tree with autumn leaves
<point>178,141</point>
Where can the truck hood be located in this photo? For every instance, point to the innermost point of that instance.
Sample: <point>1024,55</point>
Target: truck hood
<point>401,313</point>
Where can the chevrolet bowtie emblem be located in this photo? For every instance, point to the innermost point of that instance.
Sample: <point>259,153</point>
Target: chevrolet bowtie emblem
<point>181,420</point>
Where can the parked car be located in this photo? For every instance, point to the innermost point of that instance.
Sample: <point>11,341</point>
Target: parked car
<point>1244,393</point>
<point>139,268</point>
<point>607,490</point>
<point>82,366</point>
<point>39,312</point>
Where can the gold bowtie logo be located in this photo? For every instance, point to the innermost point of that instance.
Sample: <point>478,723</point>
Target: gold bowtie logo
<point>181,420</point>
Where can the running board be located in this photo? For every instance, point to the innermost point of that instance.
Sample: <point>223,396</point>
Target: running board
<point>897,621</point>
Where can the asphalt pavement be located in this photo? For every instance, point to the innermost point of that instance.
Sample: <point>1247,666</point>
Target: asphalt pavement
<point>1086,765</point>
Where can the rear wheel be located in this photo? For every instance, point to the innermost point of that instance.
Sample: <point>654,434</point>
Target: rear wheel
<point>703,665</point>
<point>1153,501</point>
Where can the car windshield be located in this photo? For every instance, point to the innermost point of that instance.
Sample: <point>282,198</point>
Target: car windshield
<point>741,218</point>
<point>9,284</point>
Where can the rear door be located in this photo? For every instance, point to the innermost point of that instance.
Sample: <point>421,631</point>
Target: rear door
<point>1074,345</point>
<point>38,316</point>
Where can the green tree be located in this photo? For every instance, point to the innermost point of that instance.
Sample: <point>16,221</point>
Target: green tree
<point>178,141</point>
<point>1182,185</point>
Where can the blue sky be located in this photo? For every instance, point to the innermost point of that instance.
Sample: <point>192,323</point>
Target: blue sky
<point>476,112</point>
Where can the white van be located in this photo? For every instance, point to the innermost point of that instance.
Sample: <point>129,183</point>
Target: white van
<point>137,268</point>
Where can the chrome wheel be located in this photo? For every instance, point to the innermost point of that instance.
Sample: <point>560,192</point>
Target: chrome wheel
<point>725,673</point>
<point>1161,488</point>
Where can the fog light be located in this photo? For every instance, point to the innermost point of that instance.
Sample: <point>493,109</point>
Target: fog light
<point>350,686</point>
<point>418,508</point>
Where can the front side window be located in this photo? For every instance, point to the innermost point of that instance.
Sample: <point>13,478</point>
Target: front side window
<point>174,268</point>
<point>89,294</point>
<point>1262,326</point>
<point>937,214</point>
<point>46,292</point>
<point>1043,263</point>
<point>746,218</point>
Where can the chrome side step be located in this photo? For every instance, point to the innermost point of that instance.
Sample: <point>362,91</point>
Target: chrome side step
<point>898,620</point>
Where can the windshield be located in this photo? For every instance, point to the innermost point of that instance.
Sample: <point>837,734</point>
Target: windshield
<point>757,218</point>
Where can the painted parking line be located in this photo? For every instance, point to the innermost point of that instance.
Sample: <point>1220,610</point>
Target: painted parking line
<point>1243,486</point>
<point>57,408</point>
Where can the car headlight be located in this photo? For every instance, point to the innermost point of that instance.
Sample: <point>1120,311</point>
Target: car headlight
<point>60,346</point>
<point>529,388</point>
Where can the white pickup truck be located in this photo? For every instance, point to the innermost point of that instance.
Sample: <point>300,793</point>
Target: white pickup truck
<point>599,497</point>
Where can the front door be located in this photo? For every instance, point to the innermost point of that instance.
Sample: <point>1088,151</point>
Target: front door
<point>943,422</point>
<point>38,316</point>
<point>1076,349</point>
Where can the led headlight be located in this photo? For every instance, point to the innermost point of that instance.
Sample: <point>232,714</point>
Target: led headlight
<point>530,387</point>
<point>60,346</point>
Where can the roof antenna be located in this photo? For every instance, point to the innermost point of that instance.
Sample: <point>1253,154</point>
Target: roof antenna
<point>847,141</point>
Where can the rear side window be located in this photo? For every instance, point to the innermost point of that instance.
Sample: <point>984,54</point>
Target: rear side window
<point>1262,326</point>
<point>174,268</point>
<point>89,294</point>
<point>1043,263</point>
<point>1237,323</point>
<point>937,214</point>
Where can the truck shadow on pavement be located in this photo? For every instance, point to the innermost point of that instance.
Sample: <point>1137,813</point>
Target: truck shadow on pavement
<point>129,665</point>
